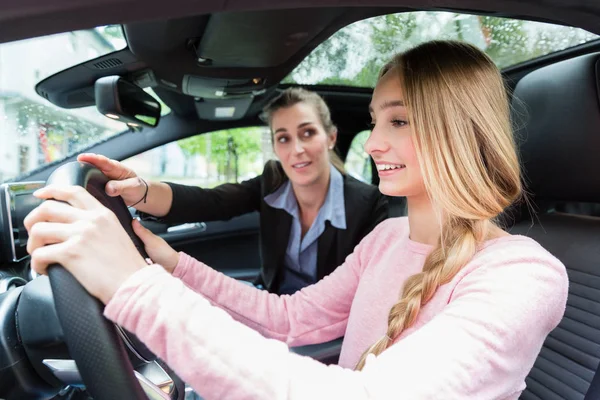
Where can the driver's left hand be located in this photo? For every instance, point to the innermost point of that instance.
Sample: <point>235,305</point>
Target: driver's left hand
<point>84,237</point>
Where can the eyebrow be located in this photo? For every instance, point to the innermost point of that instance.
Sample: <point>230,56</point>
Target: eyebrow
<point>388,104</point>
<point>302,125</point>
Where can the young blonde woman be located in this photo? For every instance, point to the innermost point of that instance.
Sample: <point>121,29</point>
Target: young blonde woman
<point>442,304</point>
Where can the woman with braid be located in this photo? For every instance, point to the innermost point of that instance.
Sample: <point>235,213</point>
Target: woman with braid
<point>442,304</point>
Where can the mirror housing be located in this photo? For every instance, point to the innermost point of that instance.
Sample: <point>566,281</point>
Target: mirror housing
<point>121,100</point>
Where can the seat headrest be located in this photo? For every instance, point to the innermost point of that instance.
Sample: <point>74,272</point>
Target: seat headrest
<point>556,113</point>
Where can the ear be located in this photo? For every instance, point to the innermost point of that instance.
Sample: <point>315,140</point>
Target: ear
<point>332,139</point>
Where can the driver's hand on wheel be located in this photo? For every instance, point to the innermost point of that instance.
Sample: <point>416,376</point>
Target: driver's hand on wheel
<point>123,181</point>
<point>84,237</point>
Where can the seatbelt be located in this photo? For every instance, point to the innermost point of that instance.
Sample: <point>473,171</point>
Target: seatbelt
<point>593,392</point>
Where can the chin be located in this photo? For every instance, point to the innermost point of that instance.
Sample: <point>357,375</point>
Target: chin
<point>305,181</point>
<point>390,189</point>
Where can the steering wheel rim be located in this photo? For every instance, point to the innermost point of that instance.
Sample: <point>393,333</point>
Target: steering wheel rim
<point>92,340</point>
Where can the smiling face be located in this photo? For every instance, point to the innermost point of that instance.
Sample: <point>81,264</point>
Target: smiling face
<point>391,140</point>
<point>302,144</point>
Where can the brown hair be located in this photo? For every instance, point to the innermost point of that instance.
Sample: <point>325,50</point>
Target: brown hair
<point>459,112</point>
<point>294,95</point>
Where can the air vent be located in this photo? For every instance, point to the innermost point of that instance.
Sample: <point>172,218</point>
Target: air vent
<point>108,64</point>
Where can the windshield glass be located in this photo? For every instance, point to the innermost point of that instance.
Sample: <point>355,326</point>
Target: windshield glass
<point>34,132</point>
<point>354,55</point>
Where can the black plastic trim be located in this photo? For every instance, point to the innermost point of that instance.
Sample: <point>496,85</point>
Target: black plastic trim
<point>18,378</point>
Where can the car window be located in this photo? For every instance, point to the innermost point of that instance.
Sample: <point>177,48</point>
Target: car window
<point>354,55</point>
<point>208,159</point>
<point>358,162</point>
<point>34,132</point>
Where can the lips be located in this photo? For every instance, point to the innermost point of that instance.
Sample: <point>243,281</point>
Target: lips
<point>301,165</point>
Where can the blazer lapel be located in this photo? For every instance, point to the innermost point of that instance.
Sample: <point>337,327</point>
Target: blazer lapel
<point>326,251</point>
<point>283,225</point>
<point>282,222</point>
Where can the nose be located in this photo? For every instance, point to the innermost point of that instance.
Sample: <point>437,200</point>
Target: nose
<point>298,146</point>
<point>376,142</point>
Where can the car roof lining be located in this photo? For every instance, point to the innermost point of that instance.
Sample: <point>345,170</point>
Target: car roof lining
<point>22,19</point>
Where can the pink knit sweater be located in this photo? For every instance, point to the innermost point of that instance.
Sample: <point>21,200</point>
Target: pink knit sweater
<point>477,338</point>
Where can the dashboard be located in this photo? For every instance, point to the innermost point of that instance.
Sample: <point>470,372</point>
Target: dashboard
<point>16,201</point>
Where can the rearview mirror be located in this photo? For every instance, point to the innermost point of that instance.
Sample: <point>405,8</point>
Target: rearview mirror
<point>124,101</point>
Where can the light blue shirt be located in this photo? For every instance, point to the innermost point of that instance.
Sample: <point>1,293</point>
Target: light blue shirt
<point>301,254</point>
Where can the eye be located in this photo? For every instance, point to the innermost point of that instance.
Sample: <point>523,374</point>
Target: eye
<point>308,133</point>
<point>398,123</point>
<point>281,139</point>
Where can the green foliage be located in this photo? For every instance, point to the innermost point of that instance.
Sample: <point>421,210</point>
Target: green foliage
<point>506,39</point>
<point>227,148</point>
<point>358,163</point>
<point>371,43</point>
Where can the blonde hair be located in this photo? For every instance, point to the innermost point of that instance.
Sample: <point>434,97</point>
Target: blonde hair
<point>459,112</point>
<point>292,96</point>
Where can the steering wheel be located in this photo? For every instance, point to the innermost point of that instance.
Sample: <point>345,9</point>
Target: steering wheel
<point>93,341</point>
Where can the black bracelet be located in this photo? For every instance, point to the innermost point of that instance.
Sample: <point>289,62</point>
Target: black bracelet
<point>145,194</point>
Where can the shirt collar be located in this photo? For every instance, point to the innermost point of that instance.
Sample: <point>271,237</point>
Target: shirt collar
<point>283,198</point>
<point>333,209</point>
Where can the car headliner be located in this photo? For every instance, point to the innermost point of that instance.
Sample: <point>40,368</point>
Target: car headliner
<point>22,19</point>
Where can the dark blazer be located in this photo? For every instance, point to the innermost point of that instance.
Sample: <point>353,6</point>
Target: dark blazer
<point>365,207</point>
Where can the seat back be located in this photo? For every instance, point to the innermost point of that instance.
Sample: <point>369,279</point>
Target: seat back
<point>571,353</point>
<point>557,113</point>
<point>397,206</point>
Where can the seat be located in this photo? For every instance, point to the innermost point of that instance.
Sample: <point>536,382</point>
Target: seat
<point>580,208</point>
<point>397,206</point>
<point>557,114</point>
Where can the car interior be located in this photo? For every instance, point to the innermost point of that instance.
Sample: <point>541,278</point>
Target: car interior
<point>214,67</point>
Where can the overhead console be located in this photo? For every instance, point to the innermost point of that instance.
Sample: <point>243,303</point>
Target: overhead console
<point>214,88</point>
<point>16,201</point>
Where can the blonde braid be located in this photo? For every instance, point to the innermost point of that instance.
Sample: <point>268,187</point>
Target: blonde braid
<point>456,247</point>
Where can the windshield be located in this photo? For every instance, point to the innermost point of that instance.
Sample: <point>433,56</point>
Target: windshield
<point>354,55</point>
<point>34,132</point>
